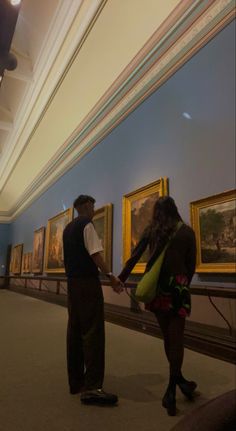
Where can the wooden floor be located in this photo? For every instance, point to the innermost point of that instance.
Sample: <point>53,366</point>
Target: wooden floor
<point>33,383</point>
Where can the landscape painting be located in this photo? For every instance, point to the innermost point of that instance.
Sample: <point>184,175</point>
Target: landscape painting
<point>137,214</point>
<point>38,251</point>
<point>54,260</point>
<point>27,263</point>
<point>102,221</point>
<point>214,222</point>
<point>17,258</point>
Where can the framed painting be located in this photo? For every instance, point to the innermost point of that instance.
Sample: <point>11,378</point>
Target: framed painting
<point>17,258</point>
<point>214,221</point>
<point>23,267</point>
<point>102,221</point>
<point>54,260</point>
<point>137,213</point>
<point>11,260</point>
<point>38,250</point>
<point>27,263</point>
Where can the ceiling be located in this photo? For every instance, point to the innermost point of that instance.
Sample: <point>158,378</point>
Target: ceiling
<point>39,33</point>
<point>83,65</point>
<point>8,17</point>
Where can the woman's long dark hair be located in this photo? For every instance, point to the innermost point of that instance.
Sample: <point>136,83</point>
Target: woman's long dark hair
<point>164,220</point>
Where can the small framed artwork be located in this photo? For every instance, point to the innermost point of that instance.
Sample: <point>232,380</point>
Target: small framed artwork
<point>137,213</point>
<point>27,263</point>
<point>11,260</point>
<point>38,250</point>
<point>214,222</point>
<point>17,258</point>
<point>23,266</point>
<point>102,221</point>
<point>54,260</point>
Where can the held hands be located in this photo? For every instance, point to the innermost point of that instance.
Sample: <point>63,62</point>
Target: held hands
<point>116,284</point>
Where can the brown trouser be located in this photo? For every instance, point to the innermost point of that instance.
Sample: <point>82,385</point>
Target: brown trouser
<point>85,333</point>
<point>172,327</point>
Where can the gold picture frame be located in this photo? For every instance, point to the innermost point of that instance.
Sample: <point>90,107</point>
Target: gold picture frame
<point>38,250</point>
<point>142,200</point>
<point>53,262</point>
<point>11,260</point>
<point>213,220</point>
<point>103,223</point>
<point>17,259</point>
<point>27,263</point>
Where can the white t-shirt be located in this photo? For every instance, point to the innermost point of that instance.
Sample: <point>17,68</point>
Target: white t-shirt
<point>91,241</point>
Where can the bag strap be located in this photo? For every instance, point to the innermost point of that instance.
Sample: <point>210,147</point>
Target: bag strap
<point>179,224</point>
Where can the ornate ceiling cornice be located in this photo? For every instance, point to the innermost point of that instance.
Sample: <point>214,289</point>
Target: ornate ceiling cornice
<point>61,25</point>
<point>187,29</point>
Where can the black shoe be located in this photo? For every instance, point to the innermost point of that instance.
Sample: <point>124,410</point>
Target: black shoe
<point>98,396</point>
<point>169,402</point>
<point>187,388</point>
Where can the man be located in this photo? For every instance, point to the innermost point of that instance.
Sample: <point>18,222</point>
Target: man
<point>85,333</point>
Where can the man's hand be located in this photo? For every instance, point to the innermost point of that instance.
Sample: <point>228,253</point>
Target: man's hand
<point>116,284</point>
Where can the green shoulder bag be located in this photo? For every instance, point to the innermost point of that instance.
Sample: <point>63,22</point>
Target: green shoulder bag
<point>147,286</point>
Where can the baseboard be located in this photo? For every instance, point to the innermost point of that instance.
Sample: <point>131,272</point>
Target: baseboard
<point>209,340</point>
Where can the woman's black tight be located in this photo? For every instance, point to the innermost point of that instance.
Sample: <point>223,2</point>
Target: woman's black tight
<point>172,327</point>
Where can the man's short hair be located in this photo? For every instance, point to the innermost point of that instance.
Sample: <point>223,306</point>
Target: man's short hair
<point>83,199</point>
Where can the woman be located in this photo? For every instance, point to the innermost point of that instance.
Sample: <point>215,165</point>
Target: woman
<point>172,302</point>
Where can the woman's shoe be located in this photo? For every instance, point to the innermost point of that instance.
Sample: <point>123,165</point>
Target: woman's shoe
<point>169,402</point>
<point>187,388</point>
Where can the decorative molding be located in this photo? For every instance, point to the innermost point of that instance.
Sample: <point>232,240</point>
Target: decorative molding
<point>187,29</point>
<point>6,125</point>
<point>5,218</point>
<point>6,111</point>
<point>25,76</point>
<point>50,49</point>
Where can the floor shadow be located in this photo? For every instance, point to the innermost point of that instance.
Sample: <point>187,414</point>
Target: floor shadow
<point>136,387</point>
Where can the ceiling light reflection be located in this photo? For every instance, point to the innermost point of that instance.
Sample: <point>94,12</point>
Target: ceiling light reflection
<point>187,115</point>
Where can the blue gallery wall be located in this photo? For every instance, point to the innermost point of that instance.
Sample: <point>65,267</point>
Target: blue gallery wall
<point>156,140</point>
<point>4,241</point>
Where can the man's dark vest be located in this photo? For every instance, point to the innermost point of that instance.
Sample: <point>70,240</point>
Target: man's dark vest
<point>77,260</point>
